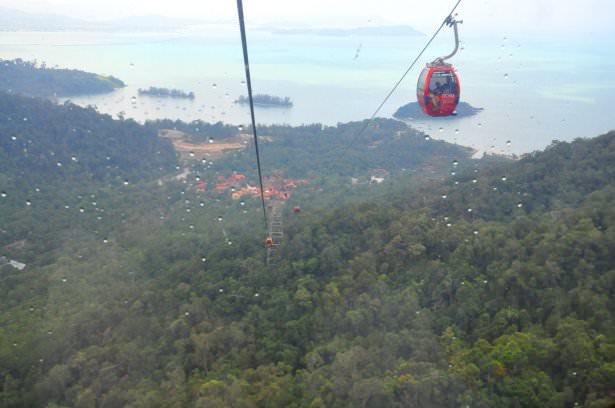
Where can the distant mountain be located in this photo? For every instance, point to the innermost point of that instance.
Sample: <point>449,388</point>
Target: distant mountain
<point>398,30</point>
<point>16,20</point>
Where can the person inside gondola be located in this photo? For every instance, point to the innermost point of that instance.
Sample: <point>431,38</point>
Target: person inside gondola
<point>435,91</point>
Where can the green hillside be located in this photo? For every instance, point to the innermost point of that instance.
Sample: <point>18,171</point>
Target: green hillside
<point>29,78</point>
<point>157,295</point>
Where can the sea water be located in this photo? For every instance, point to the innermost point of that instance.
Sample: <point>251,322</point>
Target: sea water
<point>532,90</point>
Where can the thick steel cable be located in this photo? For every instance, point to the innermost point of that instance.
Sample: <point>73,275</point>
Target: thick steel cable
<point>244,44</point>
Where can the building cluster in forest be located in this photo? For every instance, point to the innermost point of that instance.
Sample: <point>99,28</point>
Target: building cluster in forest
<point>276,186</point>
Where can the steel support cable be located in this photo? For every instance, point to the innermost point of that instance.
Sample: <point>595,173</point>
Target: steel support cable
<point>433,37</point>
<point>244,44</point>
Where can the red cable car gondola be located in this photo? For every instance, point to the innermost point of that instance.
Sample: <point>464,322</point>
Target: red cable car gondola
<point>269,242</point>
<point>438,88</point>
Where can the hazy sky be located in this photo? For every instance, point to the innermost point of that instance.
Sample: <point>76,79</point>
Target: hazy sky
<point>588,16</point>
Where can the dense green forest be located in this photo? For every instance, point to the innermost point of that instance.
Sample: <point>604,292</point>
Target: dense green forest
<point>458,282</point>
<point>33,79</point>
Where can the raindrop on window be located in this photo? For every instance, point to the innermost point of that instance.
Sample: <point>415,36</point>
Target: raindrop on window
<point>28,203</point>
<point>427,137</point>
<point>519,205</point>
<point>3,194</point>
<point>504,178</point>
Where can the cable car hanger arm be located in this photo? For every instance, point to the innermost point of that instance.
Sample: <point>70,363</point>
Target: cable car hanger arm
<point>451,22</point>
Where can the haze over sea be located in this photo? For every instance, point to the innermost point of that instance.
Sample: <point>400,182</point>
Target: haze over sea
<point>533,90</point>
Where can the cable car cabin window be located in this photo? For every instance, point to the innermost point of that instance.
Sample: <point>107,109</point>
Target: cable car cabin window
<point>422,80</point>
<point>443,83</point>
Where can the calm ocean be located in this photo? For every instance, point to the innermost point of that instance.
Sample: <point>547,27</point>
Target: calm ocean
<point>532,91</point>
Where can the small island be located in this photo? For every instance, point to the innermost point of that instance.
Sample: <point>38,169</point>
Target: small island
<point>266,101</point>
<point>412,111</point>
<point>31,78</point>
<point>166,93</point>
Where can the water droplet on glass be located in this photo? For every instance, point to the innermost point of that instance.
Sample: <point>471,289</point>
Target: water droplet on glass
<point>126,182</point>
<point>3,194</point>
<point>519,205</point>
<point>469,210</point>
<point>219,219</point>
<point>64,280</point>
<point>504,178</point>
<point>28,203</point>
<point>203,259</point>
<point>455,163</point>
<point>444,196</point>
<point>505,76</point>
<point>475,232</point>
<point>427,137</point>
<point>59,164</point>
<point>508,143</point>
<point>191,154</point>
<point>211,140</point>
<point>474,181</point>
<point>441,129</point>
<point>214,85</point>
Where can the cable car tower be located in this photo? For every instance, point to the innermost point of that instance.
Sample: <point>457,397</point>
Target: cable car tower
<point>275,231</point>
